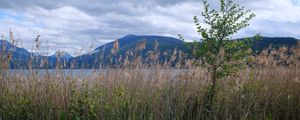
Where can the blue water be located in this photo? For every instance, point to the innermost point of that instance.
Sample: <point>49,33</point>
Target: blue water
<point>78,73</point>
<point>88,74</point>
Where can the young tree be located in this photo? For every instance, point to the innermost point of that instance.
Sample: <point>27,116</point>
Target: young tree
<point>221,55</point>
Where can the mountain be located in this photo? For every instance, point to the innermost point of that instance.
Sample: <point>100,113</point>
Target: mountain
<point>102,54</point>
<point>127,46</point>
<point>19,56</point>
<point>131,41</point>
<point>61,54</point>
<point>274,42</point>
<point>9,47</point>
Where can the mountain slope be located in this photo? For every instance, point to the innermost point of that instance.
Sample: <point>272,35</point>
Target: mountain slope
<point>21,58</point>
<point>275,43</point>
<point>131,42</point>
<point>102,54</point>
<point>61,54</point>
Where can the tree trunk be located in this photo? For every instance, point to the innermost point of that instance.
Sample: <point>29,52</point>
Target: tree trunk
<point>211,94</point>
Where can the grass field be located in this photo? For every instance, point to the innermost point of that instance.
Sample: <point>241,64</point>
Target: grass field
<point>268,89</point>
<point>150,94</point>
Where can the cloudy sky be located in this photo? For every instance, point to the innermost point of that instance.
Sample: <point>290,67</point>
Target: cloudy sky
<point>73,25</point>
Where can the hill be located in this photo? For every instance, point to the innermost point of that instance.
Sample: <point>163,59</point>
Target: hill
<point>19,58</point>
<point>160,48</point>
<point>129,43</point>
<point>274,43</point>
<point>61,54</point>
<point>102,56</point>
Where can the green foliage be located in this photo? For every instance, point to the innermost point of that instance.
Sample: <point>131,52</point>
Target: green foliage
<point>263,94</point>
<point>84,104</point>
<point>219,53</point>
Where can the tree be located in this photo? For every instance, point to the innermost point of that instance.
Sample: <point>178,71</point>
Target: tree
<point>218,52</point>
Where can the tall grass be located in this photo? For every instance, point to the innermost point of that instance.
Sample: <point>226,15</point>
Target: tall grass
<point>158,92</point>
<point>150,94</point>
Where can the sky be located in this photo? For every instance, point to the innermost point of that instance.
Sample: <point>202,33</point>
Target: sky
<point>78,26</point>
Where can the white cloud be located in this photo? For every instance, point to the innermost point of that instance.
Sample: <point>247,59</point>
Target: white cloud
<point>62,26</point>
<point>69,24</point>
<point>273,18</point>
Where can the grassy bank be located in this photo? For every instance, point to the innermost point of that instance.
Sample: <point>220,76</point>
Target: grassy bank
<point>156,94</point>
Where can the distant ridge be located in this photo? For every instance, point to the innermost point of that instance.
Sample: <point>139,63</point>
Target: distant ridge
<point>61,54</point>
<point>275,42</point>
<point>101,54</point>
